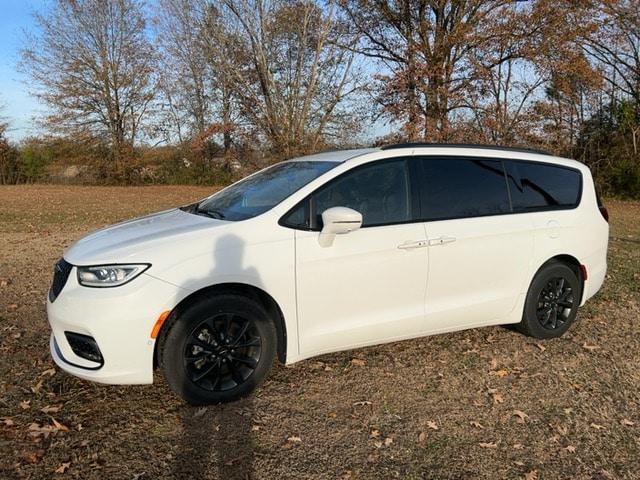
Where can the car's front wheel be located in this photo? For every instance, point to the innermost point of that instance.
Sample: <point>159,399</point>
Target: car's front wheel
<point>219,349</point>
<point>552,301</point>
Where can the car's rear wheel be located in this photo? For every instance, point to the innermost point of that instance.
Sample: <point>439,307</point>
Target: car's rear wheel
<point>219,349</point>
<point>552,301</point>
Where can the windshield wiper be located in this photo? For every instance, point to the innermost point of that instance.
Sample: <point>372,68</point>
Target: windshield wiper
<point>195,209</point>
<point>217,214</point>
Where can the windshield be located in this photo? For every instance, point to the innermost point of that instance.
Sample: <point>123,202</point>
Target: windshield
<point>261,192</point>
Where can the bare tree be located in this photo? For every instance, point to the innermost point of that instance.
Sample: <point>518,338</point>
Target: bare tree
<point>616,47</point>
<point>186,75</point>
<point>93,66</point>
<point>289,71</point>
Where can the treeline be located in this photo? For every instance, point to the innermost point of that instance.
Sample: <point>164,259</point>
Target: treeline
<point>193,90</point>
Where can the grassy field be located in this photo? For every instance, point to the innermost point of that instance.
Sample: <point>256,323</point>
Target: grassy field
<point>487,403</point>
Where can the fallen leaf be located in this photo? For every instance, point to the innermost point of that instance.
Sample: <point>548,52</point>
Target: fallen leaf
<point>51,408</point>
<point>570,449</point>
<point>362,403</point>
<point>596,426</point>
<point>374,433</point>
<point>541,347</point>
<point>358,362</point>
<point>518,446</point>
<point>294,439</point>
<point>627,422</point>
<point>37,430</point>
<point>7,422</point>
<point>488,445</point>
<point>502,373</point>
<point>521,416</point>
<point>32,457</point>
<point>476,424</point>
<point>532,475</point>
<point>63,467</point>
<point>200,412</point>
<point>519,463</point>
<point>59,426</point>
<point>13,306</point>
<point>497,398</point>
<point>37,387</point>
<point>388,441</point>
<point>422,437</point>
<point>590,348</point>
<point>433,425</point>
<point>25,404</point>
<point>494,364</point>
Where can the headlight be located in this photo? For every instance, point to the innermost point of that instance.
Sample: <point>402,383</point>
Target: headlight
<point>109,275</point>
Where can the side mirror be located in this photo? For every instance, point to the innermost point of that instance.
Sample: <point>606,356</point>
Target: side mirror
<point>338,221</point>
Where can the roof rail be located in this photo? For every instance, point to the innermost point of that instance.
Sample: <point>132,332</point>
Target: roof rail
<point>463,145</point>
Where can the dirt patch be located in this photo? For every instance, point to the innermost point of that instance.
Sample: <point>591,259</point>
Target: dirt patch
<point>486,403</point>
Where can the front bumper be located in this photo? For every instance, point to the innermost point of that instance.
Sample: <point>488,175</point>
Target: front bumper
<point>120,319</point>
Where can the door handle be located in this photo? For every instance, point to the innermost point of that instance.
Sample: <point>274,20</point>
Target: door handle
<point>441,240</point>
<point>409,245</point>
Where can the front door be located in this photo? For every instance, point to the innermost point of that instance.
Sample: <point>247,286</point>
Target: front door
<point>369,285</point>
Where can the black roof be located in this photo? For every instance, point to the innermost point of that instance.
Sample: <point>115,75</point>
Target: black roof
<point>463,145</point>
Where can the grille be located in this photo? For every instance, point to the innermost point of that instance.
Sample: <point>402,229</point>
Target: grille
<point>61,272</point>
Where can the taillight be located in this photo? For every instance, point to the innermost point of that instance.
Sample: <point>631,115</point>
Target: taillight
<point>604,212</point>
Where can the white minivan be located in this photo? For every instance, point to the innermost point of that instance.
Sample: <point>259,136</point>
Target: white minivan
<point>330,252</point>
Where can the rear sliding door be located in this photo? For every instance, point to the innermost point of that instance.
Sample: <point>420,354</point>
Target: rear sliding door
<point>479,252</point>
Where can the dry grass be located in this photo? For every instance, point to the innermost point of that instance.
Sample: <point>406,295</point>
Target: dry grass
<point>487,403</point>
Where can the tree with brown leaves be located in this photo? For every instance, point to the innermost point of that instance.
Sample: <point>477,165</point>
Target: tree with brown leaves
<point>93,67</point>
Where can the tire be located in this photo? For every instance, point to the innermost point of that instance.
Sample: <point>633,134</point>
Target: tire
<point>219,350</point>
<point>552,301</point>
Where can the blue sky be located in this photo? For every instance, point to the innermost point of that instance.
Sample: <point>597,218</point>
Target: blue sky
<point>19,106</point>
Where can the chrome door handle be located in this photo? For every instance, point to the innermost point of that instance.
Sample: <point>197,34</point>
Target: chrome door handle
<point>409,245</point>
<point>441,240</point>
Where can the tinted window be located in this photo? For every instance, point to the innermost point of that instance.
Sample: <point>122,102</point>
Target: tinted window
<point>459,187</point>
<point>379,191</point>
<point>260,192</point>
<point>538,186</point>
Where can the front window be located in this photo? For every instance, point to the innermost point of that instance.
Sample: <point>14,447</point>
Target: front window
<point>261,192</point>
<point>378,190</point>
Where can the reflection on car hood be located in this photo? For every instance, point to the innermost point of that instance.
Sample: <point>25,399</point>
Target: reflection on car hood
<point>136,240</point>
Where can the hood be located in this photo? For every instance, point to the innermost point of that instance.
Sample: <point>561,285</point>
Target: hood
<point>141,240</point>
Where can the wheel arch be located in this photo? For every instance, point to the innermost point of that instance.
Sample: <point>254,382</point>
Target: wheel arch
<point>250,291</point>
<point>570,261</point>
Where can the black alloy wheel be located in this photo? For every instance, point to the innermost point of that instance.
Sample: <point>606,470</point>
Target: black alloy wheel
<point>552,301</point>
<point>218,349</point>
<point>222,352</point>
<point>555,303</point>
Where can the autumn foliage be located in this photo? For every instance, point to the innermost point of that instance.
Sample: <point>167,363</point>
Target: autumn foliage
<point>248,82</point>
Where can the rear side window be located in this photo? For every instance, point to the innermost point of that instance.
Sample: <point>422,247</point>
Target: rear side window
<point>539,186</point>
<point>462,187</point>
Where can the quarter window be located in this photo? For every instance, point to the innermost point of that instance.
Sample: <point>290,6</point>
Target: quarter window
<point>462,187</point>
<point>539,186</point>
